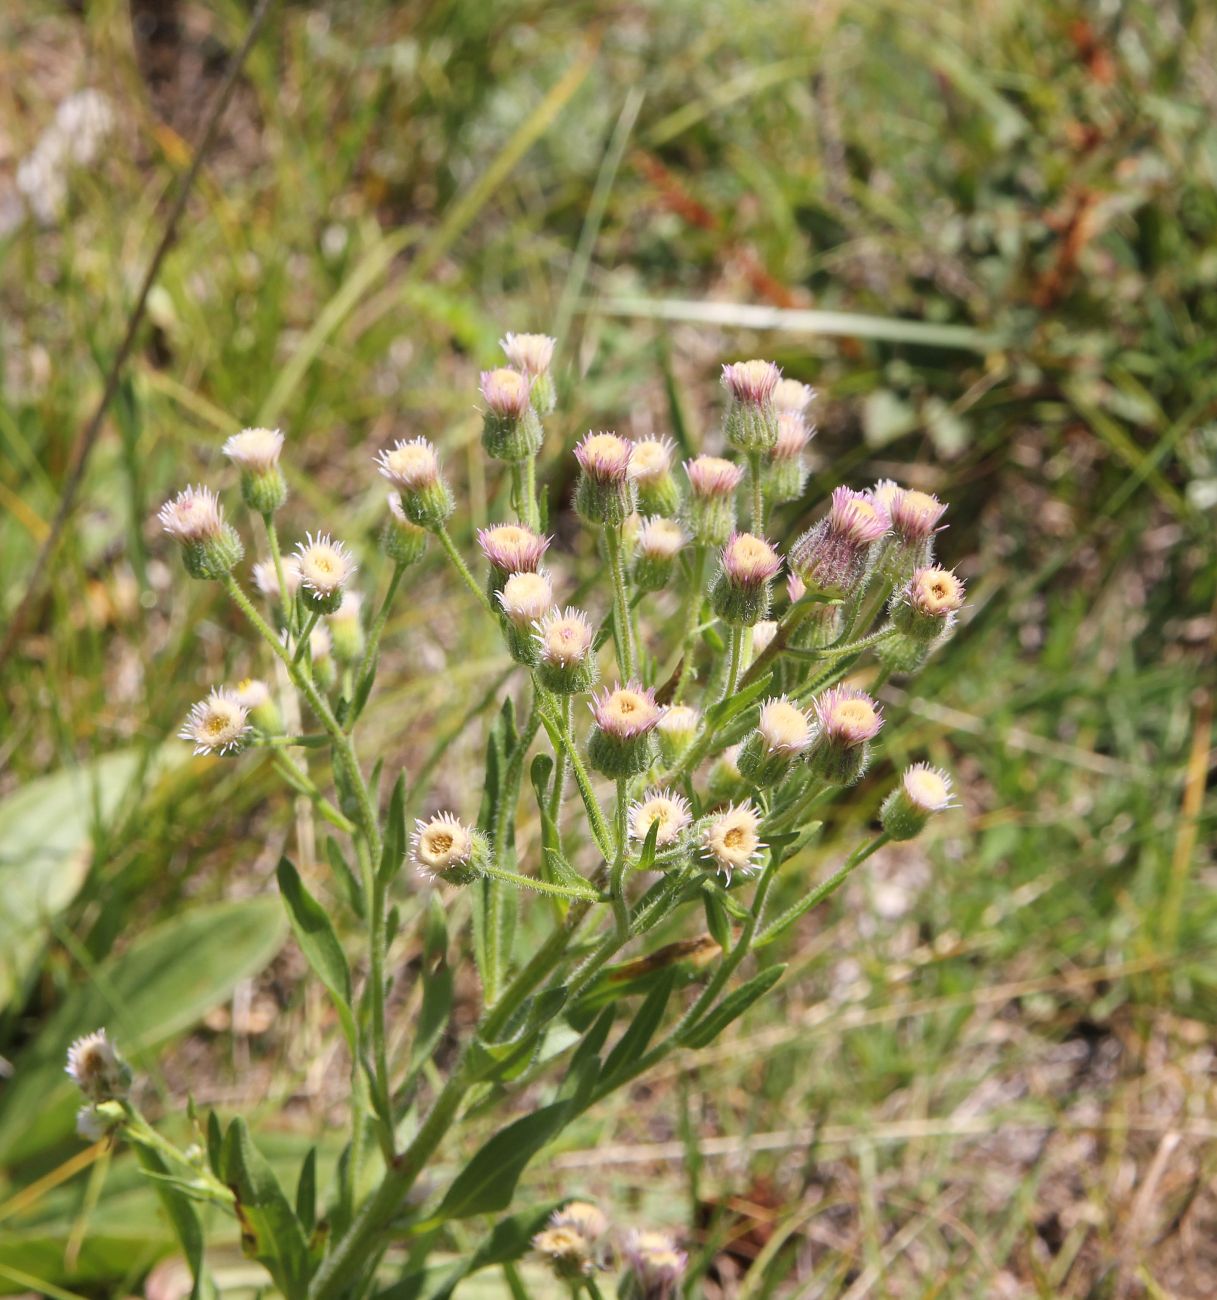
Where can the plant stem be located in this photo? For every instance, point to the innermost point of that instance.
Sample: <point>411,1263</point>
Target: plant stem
<point>535,882</point>
<point>462,568</point>
<point>555,798</point>
<point>300,781</point>
<point>378,626</point>
<point>737,655</point>
<point>621,609</point>
<point>758,494</point>
<point>287,603</point>
<point>306,632</point>
<point>560,733</point>
<point>621,909</point>
<point>692,617</point>
<point>374,891</point>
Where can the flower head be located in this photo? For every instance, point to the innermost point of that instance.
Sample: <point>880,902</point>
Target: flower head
<point>625,712</point>
<point>411,466</point>
<point>713,477</point>
<point>526,597</point>
<point>926,787</point>
<point>660,538</point>
<point>267,580</point>
<point>656,1262</point>
<point>506,392</point>
<point>445,847</point>
<point>216,725</point>
<point>796,588</point>
<point>97,1069</point>
<point>935,593</point>
<point>565,637</point>
<point>914,515</point>
<point>762,635</point>
<point>677,730</point>
<point>752,382</point>
<point>567,1249</point>
<point>665,807</point>
<point>530,353</point>
<point>194,515</point>
<point>326,567</point>
<point>403,540</point>
<point>793,436</point>
<point>651,459</point>
<point>792,396</point>
<point>749,561</point>
<point>605,457</point>
<point>847,716</point>
<point>585,1218</point>
<point>251,693</point>
<point>857,516</point>
<point>784,728</point>
<point>512,548</point>
<point>254,450</point>
<point>731,841</point>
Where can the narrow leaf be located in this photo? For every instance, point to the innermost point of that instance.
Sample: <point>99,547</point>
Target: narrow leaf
<point>631,1045</point>
<point>732,1007</point>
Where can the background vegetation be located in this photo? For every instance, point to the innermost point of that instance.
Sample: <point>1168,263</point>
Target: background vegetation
<point>990,1070</point>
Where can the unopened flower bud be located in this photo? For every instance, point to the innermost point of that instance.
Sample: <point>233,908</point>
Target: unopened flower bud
<point>793,397</point>
<point>914,516</point>
<point>849,720</point>
<point>787,470</point>
<point>751,423</point>
<point>783,734</point>
<point>216,725</point>
<point>254,696</point>
<point>659,542</point>
<point>346,629</point>
<point>266,578</point>
<point>656,1266</point>
<point>834,556</point>
<point>740,595</point>
<point>605,493</point>
<point>711,503</point>
<point>413,469</point>
<point>511,430</point>
<point>651,470</point>
<point>97,1069</point>
<point>403,541</point>
<point>565,663</point>
<point>525,599</point>
<point>210,547</point>
<point>326,567</point>
<point>923,790</point>
<point>532,355</point>
<point>731,841</point>
<point>444,848</point>
<point>677,730</point>
<point>927,606</point>
<point>621,743</point>
<point>256,453</point>
<point>762,636</point>
<point>665,807</point>
<point>321,654</point>
<point>567,1250</point>
<point>510,548</point>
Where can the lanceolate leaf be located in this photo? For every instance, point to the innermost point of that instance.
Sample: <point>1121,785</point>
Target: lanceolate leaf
<point>183,1214</point>
<point>732,1007</point>
<point>631,1045</point>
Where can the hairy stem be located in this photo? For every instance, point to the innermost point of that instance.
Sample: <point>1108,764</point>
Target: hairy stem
<point>462,568</point>
<point>378,626</point>
<point>621,609</point>
<point>692,618</point>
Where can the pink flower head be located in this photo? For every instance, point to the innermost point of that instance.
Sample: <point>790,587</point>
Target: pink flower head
<point>884,492</point>
<point>749,561</point>
<point>793,436</point>
<point>626,712</point>
<point>792,396</point>
<point>565,637</point>
<point>529,353</point>
<point>796,588</point>
<point>506,392</point>
<point>712,477</point>
<point>847,716</point>
<point>604,457</point>
<point>914,515</point>
<point>751,382</point>
<point>651,459</point>
<point>857,516</point>
<point>194,515</point>
<point>512,548</point>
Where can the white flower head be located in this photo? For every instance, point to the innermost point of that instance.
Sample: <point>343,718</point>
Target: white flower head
<point>97,1069</point>
<point>410,466</point>
<point>254,450</point>
<point>526,598</point>
<point>442,844</point>
<point>730,840</point>
<point>651,459</point>
<point>784,727</point>
<point>665,807</point>
<point>267,580</point>
<point>194,515</point>
<point>325,565</point>
<point>530,353</point>
<point>216,725</point>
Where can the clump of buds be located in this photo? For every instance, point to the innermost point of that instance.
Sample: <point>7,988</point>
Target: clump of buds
<point>211,548</point>
<point>403,541</point>
<point>751,422</point>
<point>217,725</point>
<point>782,735</point>
<point>621,743</point>
<point>605,493</point>
<point>740,594</point>
<point>525,599</point>
<point>834,557</point>
<point>923,790</point>
<point>510,548</point>
<point>848,721</point>
<point>651,470</point>
<point>565,663</point>
<point>532,355</point>
<point>413,469</point>
<point>326,567</point>
<point>711,504</point>
<point>656,547</point>
<point>256,453</point>
<point>511,430</point>
<point>444,848</point>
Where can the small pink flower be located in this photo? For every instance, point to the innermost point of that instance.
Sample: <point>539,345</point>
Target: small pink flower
<point>529,353</point>
<point>194,515</point>
<point>792,396</point>
<point>506,392</point>
<point>605,457</point>
<point>751,382</point>
<point>660,538</point>
<point>914,515</point>
<point>749,561</point>
<point>793,436</point>
<point>847,715</point>
<point>857,516</point>
<point>565,637</point>
<point>937,593</point>
<point>626,712</point>
<point>411,466</point>
<point>512,548</point>
<point>712,476</point>
<point>796,588</point>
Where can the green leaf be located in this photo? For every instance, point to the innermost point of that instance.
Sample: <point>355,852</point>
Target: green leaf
<point>487,1183</point>
<point>393,853</point>
<point>437,985</point>
<point>732,1007</point>
<point>270,1231</point>
<point>716,920</point>
<point>182,1212</point>
<point>722,712</point>
<point>631,1045</point>
<point>318,942</point>
<point>344,877</point>
<point>562,873</point>
<point>162,984</point>
<point>46,833</point>
<point>646,859</point>
<point>306,1192</point>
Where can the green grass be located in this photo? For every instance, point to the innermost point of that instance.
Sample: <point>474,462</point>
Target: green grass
<point>977,1032</point>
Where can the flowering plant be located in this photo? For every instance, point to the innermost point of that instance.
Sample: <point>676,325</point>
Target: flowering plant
<point>719,729</point>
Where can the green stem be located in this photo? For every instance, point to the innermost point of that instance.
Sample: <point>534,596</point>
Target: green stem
<point>374,890</point>
<point>530,493</point>
<point>737,655</point>
<point>560,733</point>
<point>462,568</point>
<point>378,626</point>
<point>621,608</point>
<point>563,764</point>
<point>306,632</point>
<point>758,494</point>
<point>535,882</point>
<point>692,618</point>
<point>286,602</point>
<point>621,908</point>
<point>300,781</point>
